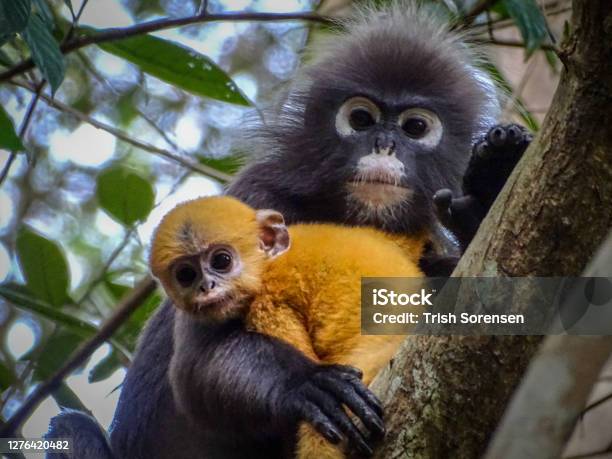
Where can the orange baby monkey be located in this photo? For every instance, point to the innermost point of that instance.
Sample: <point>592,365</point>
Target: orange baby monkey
<point>218,259</point>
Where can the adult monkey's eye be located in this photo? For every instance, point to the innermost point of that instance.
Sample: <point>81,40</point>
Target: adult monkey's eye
<point>421,125</point>
<point>221,261</point>
<point>415,127</point>
<point>356,114</point>
<point>361,119</point>
<point>185,275</point>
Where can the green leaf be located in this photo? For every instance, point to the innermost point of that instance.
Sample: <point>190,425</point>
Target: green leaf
<point>44,267</point>
<point>529,20</point>
<point>9,139</point>
<point>104,368</point>
<point>14,15</point>
<point>56,351</point>
<point>177,65</point>
<point>65,397</point>
<point>7,378</point>
<point>125,195</point>
<point>5,60</point>
<point>41,7</point>
<point>45,51</point>
<point>229,164</point>
<point>552,59</point>
<point>20,297</point>
<point>126,107</point>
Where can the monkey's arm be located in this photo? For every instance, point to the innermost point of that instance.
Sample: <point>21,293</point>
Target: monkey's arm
<point>493,159</point>
<point>244,382</point>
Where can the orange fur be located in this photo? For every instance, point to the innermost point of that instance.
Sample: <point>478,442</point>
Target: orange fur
<point>309,296</point>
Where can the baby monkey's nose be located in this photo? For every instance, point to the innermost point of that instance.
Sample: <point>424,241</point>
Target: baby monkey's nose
<point>207,285</point>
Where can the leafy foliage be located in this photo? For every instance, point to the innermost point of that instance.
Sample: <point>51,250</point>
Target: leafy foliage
<point>177,65</point>
<point>125,195</point>
<point>8,138</point>
<point>14,15</point>
<point>45,50</point>
<point>529,20</point>
<point>44,267</point>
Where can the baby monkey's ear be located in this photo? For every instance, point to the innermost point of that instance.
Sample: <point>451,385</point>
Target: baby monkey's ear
<point>273,235</point>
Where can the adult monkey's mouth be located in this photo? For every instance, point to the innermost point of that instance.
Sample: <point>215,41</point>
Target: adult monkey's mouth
<point>378,193</point>
<point>379,181</point>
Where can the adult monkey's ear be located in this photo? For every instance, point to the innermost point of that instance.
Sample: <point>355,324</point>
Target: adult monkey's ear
<point>273,234</point>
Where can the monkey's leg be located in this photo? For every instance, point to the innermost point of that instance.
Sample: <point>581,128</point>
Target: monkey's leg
<point>493,160</point>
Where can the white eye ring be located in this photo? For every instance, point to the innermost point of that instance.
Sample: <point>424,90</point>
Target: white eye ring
<point>431,137</point>
<point>343,117</point>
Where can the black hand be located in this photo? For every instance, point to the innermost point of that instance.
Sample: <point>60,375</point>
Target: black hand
<point>318,399</point>
<point>460,215</point>
<point>493,159</point>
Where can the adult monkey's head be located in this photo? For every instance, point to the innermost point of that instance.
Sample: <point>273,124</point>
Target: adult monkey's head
<point>381,118</point>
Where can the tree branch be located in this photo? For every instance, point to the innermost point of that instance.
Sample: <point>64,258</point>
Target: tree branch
<point>162,24</point>
<point>122,312</point>
<point>195,167</point>
<point>512,44</point>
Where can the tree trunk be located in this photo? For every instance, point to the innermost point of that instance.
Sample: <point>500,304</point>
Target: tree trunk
<point>444,395</point>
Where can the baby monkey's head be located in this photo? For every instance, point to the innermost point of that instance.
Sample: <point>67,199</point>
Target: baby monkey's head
<point>209,254</point>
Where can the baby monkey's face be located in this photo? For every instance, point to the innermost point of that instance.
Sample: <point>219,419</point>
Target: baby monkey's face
<point>206,284</point>
<point>209,255</point>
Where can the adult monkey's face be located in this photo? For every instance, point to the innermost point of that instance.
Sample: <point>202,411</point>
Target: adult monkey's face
<point>381,120</point>
<point>384,142</point>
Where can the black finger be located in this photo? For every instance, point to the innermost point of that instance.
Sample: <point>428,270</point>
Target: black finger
<point>515,133</point>
<point>443,199</point>
<point>334,411</point>
<point>313,415</point>
<point>369,397</point>
<point>347,395</point>
<point>481,150</point>
<point>355,377</point>
<point>348,369</point>
<point>497,136</point>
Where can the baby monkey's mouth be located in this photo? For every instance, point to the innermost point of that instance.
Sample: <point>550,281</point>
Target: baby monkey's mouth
<point>203,303</point>
<point>218,307</point>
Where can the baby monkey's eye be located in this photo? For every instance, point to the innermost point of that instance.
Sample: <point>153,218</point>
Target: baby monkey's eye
<point>185,275</point>
<point>221,261</point>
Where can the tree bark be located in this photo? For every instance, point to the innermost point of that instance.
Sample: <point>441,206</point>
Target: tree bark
<point>444,396</point>
<point>553,393</point>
